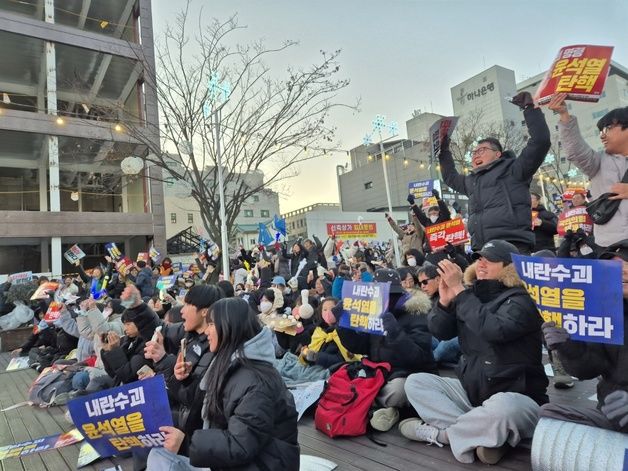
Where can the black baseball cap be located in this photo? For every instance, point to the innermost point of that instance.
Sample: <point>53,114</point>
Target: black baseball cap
<point>618,249</point>
<point>496,251</point>
<point>384,275</point>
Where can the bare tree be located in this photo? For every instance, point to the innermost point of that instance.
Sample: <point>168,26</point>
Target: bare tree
<point>268,125</point>
<point>474,126</point>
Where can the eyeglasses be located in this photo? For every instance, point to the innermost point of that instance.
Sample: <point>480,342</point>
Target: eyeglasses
<point>481,150</point>
<point>425,282</point>
<point>607,128</point>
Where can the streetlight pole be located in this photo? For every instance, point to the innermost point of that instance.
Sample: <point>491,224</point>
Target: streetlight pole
<point>224,242</point>
<point>215,89</point>
<point>378,123</point>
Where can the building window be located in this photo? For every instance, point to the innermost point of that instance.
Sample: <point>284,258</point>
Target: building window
<point>173,218</point>
<point>255,198</point>
<point>170,182</point>
<point>265,213</point>
<point>368,185</point>
<point>253,242</point>
<point>248,213</point>
<point>190,218</point>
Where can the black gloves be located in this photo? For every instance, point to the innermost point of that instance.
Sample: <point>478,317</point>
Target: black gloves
<point>523,100</point>
<point>436,194</point>
<point>410,199</point>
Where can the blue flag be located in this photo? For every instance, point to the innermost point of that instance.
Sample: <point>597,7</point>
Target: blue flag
<point>264,236</point>
<point>280,225</point>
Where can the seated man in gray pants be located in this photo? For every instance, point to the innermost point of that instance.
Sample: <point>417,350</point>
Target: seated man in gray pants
<point>502,383</point>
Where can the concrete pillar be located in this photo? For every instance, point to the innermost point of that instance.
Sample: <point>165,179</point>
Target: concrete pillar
<point>45,258</point>
<point>53,141</point>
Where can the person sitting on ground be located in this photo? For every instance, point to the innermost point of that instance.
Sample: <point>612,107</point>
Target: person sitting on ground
<point>123,357</point>
<point>409,281</point>
<point>605,168</point>
<point>325,348</point>
<point>303,312</point>
<point>407,346</point>
<point>445,351</point>
<point>587,360</point>
<point>183,371</point>
<point>544,223</point>
<point>501,382</point>
<point>413,258</point>
<point>249,417</point>
<point>498,185</point>
<point>435,214</point>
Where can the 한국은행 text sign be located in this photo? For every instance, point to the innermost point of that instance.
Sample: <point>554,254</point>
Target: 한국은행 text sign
<point>363,304</point>
<point>116,420</point>
<point>583,296</point>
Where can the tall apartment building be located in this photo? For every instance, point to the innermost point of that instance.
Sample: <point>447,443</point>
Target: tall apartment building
<point>73,74</point>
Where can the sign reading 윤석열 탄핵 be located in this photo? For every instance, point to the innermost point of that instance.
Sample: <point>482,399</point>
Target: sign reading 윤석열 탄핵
<point>363,303</point>
<point>583,296</point>
<point>119,419</point>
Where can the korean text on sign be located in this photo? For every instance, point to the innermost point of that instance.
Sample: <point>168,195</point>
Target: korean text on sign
<point>580,71</point>
<point>583,296</point>
<point>119,419</point>
<point>574,219</point>
<point>350,230</point>
<point>452,232</point>
<point>363,304</point>
<point>421,189</point>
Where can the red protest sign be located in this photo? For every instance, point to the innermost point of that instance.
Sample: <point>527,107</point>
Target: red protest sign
<point>574,219</point>
<point>580,71</point>
<point>143,256</point>
<point>569,192</point>
<point>350,230</point>
<point>124,265</point>
<point>54,311</point>
<point>452,231</point>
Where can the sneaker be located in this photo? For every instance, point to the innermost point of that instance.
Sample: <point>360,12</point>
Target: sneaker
<point>417,430</point>
<point>491,455</point>
<point>384,419</point>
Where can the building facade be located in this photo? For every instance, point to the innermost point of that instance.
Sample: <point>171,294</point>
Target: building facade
<point>74,75</point>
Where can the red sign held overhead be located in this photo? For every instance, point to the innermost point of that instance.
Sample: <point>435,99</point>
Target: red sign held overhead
<point>452,231</point>
<point>580,71</point>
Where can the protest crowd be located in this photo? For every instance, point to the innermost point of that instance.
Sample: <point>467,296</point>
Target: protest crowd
<point>307,310</point>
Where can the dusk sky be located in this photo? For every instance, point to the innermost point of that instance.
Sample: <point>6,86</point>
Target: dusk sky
<point>403,55</point>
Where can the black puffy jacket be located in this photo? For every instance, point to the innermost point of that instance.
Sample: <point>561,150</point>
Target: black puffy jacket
<point>259,429</point>
<point>408,352</point>
<point>499,329</point>
<point>544,234</point>
<point>589,360</point>
<point>499,193</point>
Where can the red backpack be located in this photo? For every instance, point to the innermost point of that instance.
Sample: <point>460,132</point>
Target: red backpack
<point>343,409</point>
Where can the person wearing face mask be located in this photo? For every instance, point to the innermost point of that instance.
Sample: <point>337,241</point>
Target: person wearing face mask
<point>435,214</point>
<point>303,312</point>
<point>413,258</point>
<point>123,357</point>
<point>166,267</point>
<point>325,348</point>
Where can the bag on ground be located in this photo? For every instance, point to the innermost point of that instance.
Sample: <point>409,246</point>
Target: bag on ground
<point>343,409</point>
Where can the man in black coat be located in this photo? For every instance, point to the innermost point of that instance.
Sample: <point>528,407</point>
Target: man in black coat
<point>501,380</point>
<point>544,223</point>
<point>498,185</point>
<point>435,214</point>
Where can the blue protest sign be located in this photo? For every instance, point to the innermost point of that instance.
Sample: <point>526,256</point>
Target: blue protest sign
<point>114,251</point>
<point>583,296</point>
<point>363,303</point>
<point>422,189</point>
<point>165,282</point>
<point>38,445</point>
<point>119,419</point>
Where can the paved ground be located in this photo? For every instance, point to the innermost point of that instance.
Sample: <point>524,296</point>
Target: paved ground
<point>350,454</point>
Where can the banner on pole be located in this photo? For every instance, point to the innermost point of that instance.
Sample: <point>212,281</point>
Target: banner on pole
<point>583,296</point>
<point>352,230</point>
